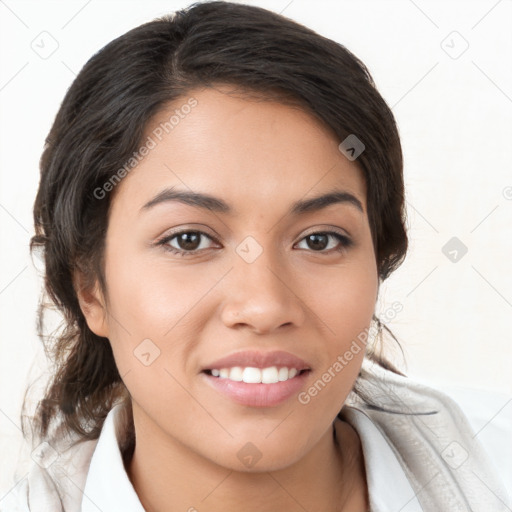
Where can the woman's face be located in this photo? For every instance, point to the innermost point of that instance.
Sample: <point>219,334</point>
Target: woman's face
<point>256,276</point>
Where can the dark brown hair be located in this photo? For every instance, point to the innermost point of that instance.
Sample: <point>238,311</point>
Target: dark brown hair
<point>101,122</point>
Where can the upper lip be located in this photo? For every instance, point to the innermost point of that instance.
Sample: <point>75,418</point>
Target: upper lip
<point>257,359</point>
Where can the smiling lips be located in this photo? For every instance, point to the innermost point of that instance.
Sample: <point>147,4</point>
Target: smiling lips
<point>258,379</point>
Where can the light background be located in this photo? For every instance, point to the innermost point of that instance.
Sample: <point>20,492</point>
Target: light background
<point>453,106</point>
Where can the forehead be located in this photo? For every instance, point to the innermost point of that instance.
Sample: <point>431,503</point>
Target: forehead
<point>250,152</point>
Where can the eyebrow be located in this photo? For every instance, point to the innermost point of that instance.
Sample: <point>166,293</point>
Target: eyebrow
<point>215,204</point>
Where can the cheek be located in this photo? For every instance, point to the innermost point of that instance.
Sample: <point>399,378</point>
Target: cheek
<point>352,307</point>
<point>151,328</point>
<point>150,295</point>
<point>157,309</point>
<point>160,313</point>
<point>344,305</point>
<point>345,299</point>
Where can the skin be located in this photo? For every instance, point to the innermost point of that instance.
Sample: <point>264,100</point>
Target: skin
<point>259,157</point>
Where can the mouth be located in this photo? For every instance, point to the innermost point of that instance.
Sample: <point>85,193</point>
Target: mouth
<point>257,379</point>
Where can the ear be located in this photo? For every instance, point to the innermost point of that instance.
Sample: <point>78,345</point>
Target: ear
<point>92,304</point>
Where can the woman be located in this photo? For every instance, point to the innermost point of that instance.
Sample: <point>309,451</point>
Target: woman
<point>221,196</point>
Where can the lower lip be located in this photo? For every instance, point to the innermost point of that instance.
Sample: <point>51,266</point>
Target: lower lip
<point>258,395</point>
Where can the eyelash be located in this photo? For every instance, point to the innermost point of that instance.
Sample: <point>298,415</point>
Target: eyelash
<point>344,241</point>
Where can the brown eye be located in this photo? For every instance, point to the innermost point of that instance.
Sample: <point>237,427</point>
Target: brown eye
<point>319,242</point>
<point>186,242</point>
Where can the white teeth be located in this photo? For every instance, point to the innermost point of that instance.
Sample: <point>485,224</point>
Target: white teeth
<point>250,375</point>
<point>269,375</point>
<point>235,374</point>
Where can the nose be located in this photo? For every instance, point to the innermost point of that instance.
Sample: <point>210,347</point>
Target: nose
<point>261,296</point>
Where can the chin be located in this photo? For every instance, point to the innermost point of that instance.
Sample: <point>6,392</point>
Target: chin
<point>259,456</point>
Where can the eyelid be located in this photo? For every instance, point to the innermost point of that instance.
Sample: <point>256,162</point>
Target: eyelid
<point>197,228</point>
<point>325,229</point>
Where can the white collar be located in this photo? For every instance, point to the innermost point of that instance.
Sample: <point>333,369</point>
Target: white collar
<point>388,487</point>
<point>108,486</point>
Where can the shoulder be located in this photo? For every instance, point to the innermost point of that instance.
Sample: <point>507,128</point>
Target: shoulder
<point>432,440</point>
<point>61,467</point>
<point>54,479</point>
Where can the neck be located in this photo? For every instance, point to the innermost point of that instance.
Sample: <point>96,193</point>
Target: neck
<point>168,477</point>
